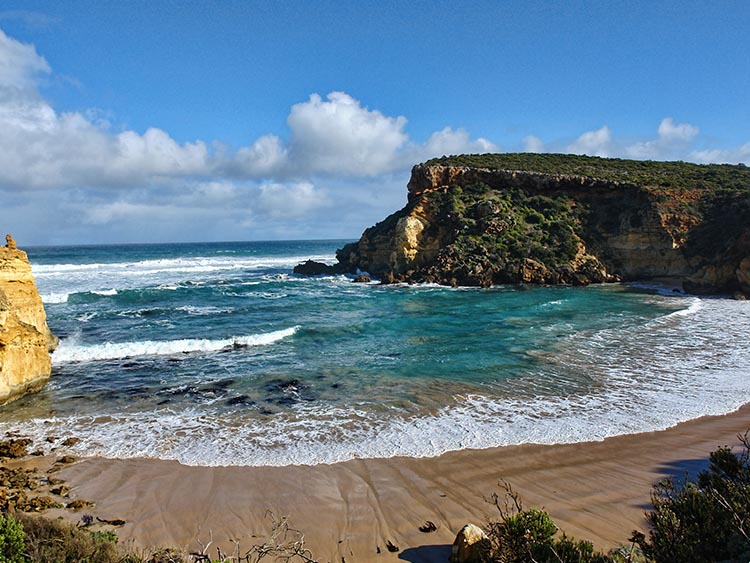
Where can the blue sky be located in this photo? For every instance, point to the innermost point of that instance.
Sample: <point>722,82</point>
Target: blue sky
<point>168,121</point>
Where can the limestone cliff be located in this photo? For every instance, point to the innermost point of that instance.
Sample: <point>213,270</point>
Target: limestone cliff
<point>486,219</point>
<point>25,339</point>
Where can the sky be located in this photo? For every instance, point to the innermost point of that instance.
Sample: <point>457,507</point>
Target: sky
<point>169,121</point>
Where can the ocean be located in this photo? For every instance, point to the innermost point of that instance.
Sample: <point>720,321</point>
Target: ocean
<point>217,354</point>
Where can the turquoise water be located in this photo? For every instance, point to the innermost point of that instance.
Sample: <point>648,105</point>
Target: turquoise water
<point>217,354</point>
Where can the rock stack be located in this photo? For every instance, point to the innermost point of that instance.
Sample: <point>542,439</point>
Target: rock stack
<point>25,339</point>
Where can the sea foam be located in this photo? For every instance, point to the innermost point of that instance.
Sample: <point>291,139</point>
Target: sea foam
<point>68,352</point>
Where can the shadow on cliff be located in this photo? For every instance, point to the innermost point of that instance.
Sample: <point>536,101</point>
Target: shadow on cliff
<point>426,554</point>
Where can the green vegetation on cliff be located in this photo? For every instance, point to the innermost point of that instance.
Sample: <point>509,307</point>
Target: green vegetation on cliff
<point>647,173</point>
<point>554,218</point>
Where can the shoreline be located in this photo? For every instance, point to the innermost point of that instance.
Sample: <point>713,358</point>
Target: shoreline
<point>597,491</point>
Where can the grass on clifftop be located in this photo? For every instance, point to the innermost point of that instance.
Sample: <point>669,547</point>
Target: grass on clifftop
<point>648,173</point>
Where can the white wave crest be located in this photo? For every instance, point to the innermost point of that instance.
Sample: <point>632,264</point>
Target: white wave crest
<point>68,352</point>
<point>105,292</point>
<point>55,298</point>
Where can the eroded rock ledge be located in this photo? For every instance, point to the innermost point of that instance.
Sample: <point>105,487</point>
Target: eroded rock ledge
<point>478,220</point>
<point>25,339</point>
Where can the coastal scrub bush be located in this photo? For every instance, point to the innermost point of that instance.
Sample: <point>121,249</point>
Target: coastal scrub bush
<point>57,541</point>
<point>523,535</point>
<point>706,519</point>
<point>11,540</point>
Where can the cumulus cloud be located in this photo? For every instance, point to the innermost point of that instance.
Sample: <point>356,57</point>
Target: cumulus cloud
<point>532,143</point>
<point>742,154</point>
<point>672,138</point>
<point>20,66</point>
<point>339,136</point>
<point>335,136</point>
<point>449,141</point>
<point>593,143</point>
<point>290,200</point>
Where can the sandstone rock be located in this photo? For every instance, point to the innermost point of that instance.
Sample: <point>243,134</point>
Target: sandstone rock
<point>470,546</point>
<point>361,278</point>
<point>25,338</point>
<point>15,447</point>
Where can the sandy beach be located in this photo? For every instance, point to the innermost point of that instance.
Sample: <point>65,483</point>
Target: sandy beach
<point>349,511</point>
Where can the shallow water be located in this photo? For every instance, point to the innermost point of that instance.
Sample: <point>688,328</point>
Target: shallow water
<point>217,354</point>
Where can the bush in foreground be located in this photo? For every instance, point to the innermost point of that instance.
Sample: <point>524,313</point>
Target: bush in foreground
<point>528,535</point>
<point>703,520</point>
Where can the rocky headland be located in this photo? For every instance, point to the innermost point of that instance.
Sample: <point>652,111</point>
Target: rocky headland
<point>25,339</point>
<point>478,220</point>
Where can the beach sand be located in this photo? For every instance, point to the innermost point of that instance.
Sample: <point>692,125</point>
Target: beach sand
<point>597,491</point>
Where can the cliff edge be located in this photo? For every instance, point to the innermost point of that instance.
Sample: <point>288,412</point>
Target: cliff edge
<point>478,220</point>
<point>25,339</point>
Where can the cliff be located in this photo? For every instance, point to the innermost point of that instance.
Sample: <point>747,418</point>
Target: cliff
<point>479,220</point>
<point>25,339</point>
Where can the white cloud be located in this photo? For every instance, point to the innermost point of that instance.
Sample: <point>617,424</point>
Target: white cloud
<point>671,141</point>
<point>448,141</point>
<point>532,143</point>
<point>741,154</point>
<point>593,143</point>
<point>20,66</point>
<point>339,136</point>
<point>290,200</point>
<point>265,157</point>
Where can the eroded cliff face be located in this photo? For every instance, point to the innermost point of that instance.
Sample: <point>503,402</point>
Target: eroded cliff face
<point>467,225</point>
<point>25,339</point>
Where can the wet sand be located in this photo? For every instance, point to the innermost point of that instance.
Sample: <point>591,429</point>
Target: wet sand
<point>348,511</point>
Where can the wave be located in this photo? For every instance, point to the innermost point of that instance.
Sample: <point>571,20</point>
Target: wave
<point>196,264</point>
<point>51,298</point>
<point>105,292</point>
<point>68,352</point>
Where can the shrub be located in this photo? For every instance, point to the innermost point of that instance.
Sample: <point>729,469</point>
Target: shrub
<point>56,541</point>
<point>523,535</point>
<point>703,520</point>
<point>11,540</point>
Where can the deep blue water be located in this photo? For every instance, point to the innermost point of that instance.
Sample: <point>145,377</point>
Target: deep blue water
<point>217,354</point>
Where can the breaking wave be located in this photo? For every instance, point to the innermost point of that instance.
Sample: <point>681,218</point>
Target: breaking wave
<point>68,352</point>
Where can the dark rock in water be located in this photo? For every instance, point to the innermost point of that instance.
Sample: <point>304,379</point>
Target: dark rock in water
<point>284,401</point>
<point>283,385</point>
<point>361,278</point>
<point>240,400</point>
<point>313,268</point>
<point>72,441</point>
<point>288,392</point>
